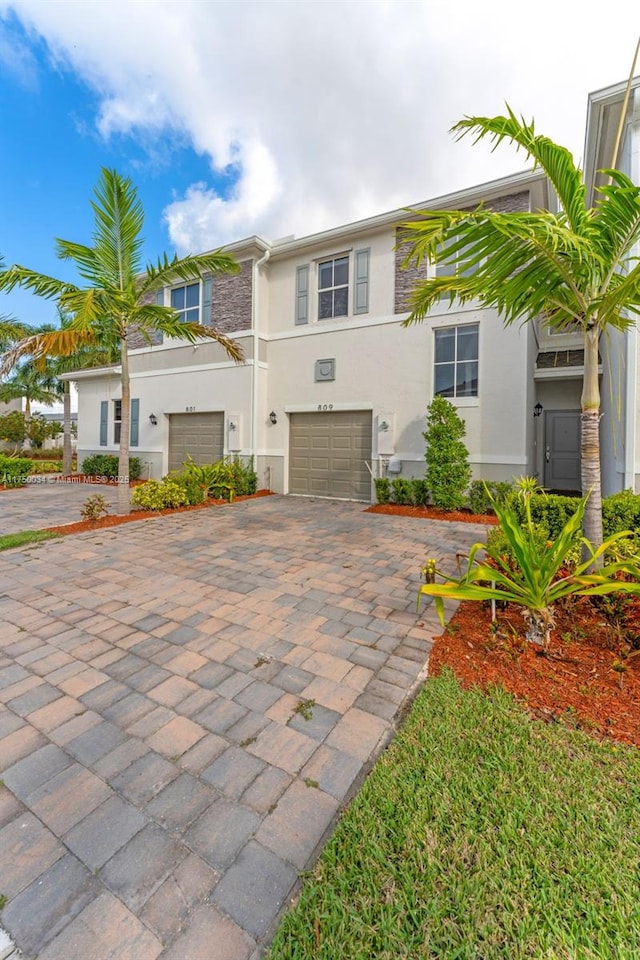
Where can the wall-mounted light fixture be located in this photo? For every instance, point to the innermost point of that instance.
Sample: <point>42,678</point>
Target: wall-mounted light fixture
<point>273,416</point>
<point>384,424</point>
<point>232,426</point>
<point>153,420</point>
<point>537,410</point>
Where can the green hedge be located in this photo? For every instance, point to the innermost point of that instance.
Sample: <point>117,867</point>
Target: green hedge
<point>483,493</point>
<point>106,465</point>
<point>14,470</point>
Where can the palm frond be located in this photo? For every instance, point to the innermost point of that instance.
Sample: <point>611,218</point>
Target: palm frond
<point>39,283</point>
<point>119,218</point>
<point>170,270</point>
<point>59,343</point>
<point>152,317</point>
<point>556,161</point>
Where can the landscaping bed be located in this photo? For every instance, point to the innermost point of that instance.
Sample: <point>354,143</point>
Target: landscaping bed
<point>586,678</point>
<point>115,520</point>
<point>432,513</point>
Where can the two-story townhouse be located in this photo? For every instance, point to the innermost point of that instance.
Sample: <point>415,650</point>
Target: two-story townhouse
<point>334,390</point>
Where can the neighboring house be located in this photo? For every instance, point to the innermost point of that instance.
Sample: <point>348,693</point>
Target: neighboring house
<point>333,389</point>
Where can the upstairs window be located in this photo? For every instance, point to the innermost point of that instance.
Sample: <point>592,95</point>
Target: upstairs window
<point>333,288</point>
<point>456,361</point>
<point>185,300</point>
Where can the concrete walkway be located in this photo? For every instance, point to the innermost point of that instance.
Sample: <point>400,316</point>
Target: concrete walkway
<point>185,705</point>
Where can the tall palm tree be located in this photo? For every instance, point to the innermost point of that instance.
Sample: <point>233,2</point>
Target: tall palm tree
<point>117,297</point>
<point>574,267</point>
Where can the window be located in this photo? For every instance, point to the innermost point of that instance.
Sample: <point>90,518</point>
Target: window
<point>333,288</point>
<point>451,267</point>
<point>117,420</point>
<point>456,361</point>
<point>186,301</point>
<point>134,427</point>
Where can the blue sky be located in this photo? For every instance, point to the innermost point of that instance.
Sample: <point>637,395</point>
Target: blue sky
<point>272,116</point>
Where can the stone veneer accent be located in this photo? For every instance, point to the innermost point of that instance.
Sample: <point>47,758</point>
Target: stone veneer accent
<point>137,340</point>
<point>232,300</point>
<point>407,279</point>
<point>231,309</point>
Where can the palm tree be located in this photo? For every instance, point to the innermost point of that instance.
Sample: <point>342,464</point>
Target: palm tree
<point>30,384</point>
<point>117,298</point>
<point>574,267</point>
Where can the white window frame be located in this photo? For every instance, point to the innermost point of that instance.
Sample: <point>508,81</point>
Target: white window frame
<point>183,286</point>
<point>117,420</point>
<point>336,286</point>
<point>456,327</point>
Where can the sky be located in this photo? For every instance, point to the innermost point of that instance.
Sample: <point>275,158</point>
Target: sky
<point>273,117</point>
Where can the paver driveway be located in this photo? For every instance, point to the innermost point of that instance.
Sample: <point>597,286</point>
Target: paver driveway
<point>47,503</point>
<point>163,788</point>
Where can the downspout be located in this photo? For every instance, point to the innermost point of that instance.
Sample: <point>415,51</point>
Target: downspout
<point>256,346</point>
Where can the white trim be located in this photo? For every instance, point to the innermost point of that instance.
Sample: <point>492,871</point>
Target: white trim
<point>561,373</point>
<point>200,368</point>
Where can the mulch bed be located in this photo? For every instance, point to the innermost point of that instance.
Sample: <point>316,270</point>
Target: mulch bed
<point>575,682</point>
<point>432,513</point>
<point>115,520</point>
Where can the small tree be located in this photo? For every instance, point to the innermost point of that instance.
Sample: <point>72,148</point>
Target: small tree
<point>448,470</point>
<point>13,428</point>
<point>37,430</point>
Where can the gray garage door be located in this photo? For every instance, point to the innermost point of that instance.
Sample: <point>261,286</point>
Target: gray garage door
<point>201,435</point>
<point>327,454</point>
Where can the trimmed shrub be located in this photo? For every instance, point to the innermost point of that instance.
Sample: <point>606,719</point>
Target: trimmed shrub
<point>401,491</point>
<point>167,493</point>
<point>383,489</point>
<point>245,478</point>
<point>620,511</point>
<point>13,470</point>
<point>448,470</point>
<point>481,493</point>
<point>106,465</point>
<point>419,492</point>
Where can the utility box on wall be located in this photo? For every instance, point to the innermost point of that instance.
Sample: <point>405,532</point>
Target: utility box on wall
<point>386,434</point>
<point>234,432</point>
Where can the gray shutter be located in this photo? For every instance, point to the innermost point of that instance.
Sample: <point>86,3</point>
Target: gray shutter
<point>302,294</point>
<point>104,420</point>
<point>361,282</point>
<point>207,299</point>
<point>160,297</point>
<point>135,423</point>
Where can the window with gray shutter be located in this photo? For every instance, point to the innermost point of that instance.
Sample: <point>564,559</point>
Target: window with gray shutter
<point>302,294</point>
<point>135,423</point>
<point>207,298</point>
<point>104,420</point>
<point>361,281</point>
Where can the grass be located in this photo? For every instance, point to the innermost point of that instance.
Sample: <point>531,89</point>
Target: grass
<point>10,540</point>
<point>479,835</point>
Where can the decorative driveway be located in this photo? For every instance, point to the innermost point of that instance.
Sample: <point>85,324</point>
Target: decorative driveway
<point>48,502</point>
<point>185,705</point>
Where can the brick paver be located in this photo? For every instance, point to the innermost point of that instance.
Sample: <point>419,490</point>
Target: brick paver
<point>185,704</point>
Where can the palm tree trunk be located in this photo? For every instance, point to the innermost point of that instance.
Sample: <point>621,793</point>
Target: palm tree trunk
<point>590,439</point>
<point>124,502</point>
<point>67,452</point>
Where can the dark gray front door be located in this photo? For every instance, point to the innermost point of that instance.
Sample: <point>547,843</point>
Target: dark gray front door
<point>562,450</point>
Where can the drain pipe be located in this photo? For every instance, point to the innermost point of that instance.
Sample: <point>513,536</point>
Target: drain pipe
<point>256,345</point>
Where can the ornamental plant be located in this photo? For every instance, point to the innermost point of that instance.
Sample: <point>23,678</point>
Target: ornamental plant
<point>537,577</point>
<point>448,470</point>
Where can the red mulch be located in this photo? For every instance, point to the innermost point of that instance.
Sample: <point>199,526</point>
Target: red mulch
<point>115,520</point>
<point>432,513</point>
<point>574,682</point>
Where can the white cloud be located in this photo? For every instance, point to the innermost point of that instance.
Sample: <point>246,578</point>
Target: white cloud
<point>330,110</point>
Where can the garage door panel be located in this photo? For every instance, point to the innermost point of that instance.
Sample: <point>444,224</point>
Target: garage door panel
<point>196,435</point>
<point>338,445</point>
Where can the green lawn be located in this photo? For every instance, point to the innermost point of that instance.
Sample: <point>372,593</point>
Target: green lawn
<point>10,540</point>
<point>479,835</point>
